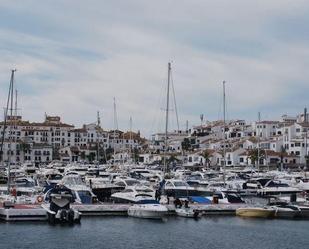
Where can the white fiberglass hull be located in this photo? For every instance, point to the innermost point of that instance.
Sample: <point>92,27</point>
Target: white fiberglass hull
<point>150,211</point>
<point>281,212</point>
<point>186,212</point>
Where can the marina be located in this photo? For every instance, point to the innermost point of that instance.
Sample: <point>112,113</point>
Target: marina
<point>154,124</point>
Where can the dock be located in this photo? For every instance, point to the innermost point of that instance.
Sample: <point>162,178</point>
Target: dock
<point>37,213</point>
<point>30,212</point>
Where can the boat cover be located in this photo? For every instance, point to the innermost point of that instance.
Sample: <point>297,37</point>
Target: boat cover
<point>147,202</point>
<point>199,199</point>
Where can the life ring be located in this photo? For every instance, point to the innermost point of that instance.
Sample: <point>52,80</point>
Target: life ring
<point>39,199</point>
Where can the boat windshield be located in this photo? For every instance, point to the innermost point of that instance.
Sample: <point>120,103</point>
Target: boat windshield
<point>131,182</point>
<point>180,184</point>
<point>195,177</point>
<point>84,193</point>
<point>73,180</point>
<point>144,190</point>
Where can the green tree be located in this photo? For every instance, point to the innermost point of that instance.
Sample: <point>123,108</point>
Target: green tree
<point>108,154</point>
<point>206,155</point>
<point>136,153</point>
<point>253,155</point>
<point>282,154</point>
<point>91,156</point>
<point>186,144</point>
<point>83,155</point>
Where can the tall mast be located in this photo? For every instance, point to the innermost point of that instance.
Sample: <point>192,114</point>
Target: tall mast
<point>224,125</point>
<point>306,134</point>
<point>115,124</point>
<point>6,114</point>
<point>258,155</point>
<point>98,132</point>
<point>166,117</point>
<point>10,137</point>
<point>130,137</point>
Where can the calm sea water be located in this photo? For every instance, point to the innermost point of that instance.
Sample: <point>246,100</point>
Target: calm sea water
<point>175,232</point>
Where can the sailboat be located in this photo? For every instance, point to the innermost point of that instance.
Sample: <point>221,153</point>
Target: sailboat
<point>9,106</point>
<point>15,192</point>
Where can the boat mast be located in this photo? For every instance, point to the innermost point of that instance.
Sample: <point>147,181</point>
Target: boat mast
<point>114,134</point>
<point>166,117</point>
<point>6,113</point>
<point>10,137</point>
<point>130,139</point>
<point>224,125</point>
<point>98,132</point>
<point>306,134</point>
<point>258,152</point>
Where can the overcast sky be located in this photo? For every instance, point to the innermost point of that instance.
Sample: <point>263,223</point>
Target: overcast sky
<point>74,56</point>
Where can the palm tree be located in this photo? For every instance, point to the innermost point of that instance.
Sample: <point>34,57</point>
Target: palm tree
<point>206,155</point>
<point>282,154</point>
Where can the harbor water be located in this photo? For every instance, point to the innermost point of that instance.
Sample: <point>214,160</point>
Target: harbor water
<point>172,233</point>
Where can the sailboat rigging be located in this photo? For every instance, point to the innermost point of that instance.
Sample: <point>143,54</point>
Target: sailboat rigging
<point>9,106</point>
<point>166,116</point>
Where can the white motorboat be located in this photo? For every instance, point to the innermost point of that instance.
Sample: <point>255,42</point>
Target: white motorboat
<point>178,188</point>
<point>81,192</point>
<point>187,212</point>
<point>150,209</point>
<point>59,209</point>
<point>133,194</point>
<point>29,168</point>
<point>255,212</point>
<point>286,211</point>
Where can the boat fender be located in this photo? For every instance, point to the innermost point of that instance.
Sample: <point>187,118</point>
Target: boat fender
<point>14,192</point>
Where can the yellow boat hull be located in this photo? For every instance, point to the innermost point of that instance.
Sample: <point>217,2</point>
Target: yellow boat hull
<point>255,212</point>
